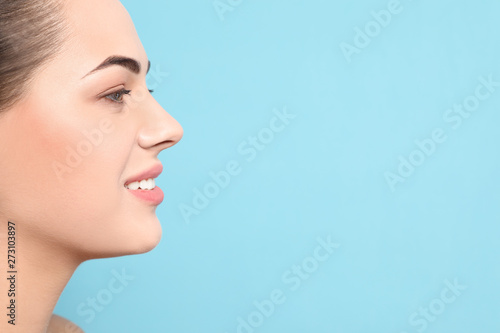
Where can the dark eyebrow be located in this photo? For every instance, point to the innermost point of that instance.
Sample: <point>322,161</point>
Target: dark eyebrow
<point>131,64</point>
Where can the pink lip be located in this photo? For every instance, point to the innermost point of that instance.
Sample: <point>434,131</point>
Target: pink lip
<point>151,173</point>
<point>154,196</point>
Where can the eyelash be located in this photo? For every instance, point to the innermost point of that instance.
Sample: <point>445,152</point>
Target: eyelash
<point>122,92</point>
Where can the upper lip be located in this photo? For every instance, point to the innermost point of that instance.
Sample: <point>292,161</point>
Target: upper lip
<point>153,172</point>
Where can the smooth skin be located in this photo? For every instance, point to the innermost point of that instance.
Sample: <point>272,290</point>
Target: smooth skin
<point>66,214</point>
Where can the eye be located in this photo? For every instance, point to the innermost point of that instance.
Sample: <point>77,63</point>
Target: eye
<point>117,96</point>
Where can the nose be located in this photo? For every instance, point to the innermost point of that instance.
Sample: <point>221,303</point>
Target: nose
<point>160,130</point>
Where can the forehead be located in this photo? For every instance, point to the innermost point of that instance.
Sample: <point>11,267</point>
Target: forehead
<point>99,29</point>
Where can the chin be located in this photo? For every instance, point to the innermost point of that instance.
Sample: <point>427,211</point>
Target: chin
<point>144,239</point>
<point>129,241</point>
<point>147,245</point>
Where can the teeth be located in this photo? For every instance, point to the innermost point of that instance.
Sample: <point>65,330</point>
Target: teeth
<point>133,186</point>
<point>146,184</point>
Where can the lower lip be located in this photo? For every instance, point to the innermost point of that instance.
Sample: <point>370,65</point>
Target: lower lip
<point>154,196</point>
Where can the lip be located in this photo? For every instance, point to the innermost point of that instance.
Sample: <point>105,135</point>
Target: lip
<point>154,196</point>
<point>153,172</point>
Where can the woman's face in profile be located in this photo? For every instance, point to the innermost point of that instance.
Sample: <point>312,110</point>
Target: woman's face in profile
<point>84,131</point>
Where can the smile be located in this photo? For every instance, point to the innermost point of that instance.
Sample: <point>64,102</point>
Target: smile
<point>145,184</point>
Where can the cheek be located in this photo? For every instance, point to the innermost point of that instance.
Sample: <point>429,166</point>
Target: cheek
<point>38,140</point>
<point>65,169</point>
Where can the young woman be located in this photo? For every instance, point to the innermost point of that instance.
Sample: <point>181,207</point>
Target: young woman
<point>80,136</point>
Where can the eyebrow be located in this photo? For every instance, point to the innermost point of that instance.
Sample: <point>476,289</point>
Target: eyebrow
<point>131,64</point>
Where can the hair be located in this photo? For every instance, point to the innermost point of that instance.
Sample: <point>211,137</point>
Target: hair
<point>31,32</point>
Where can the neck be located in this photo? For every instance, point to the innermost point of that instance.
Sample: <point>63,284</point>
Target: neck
<point>32,285</point>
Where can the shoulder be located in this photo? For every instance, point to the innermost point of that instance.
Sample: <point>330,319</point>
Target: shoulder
<point>59,324</point>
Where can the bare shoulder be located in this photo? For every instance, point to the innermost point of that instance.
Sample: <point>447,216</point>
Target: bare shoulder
<point>60,324</point>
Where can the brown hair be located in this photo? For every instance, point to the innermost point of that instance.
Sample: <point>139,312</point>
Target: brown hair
<point>30,33</point>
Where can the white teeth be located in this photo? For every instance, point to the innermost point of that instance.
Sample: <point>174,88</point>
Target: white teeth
<point>146,184</point>
<point>133,186</point>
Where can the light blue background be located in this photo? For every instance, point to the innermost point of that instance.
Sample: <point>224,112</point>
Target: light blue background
<point>322,175</point>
